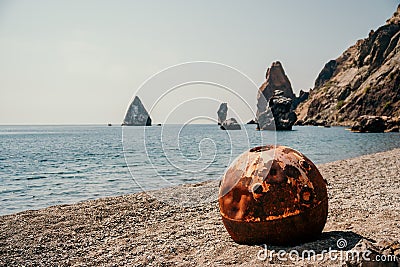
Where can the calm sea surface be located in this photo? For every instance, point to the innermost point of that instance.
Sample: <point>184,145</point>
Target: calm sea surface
<point>42,166</point>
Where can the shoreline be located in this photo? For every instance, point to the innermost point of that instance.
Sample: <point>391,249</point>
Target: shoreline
<point>139,230</point>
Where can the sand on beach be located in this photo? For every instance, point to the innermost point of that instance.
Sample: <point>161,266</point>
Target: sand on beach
<point>139,230</point>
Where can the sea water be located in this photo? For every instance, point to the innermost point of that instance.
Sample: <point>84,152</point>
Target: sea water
<point>42,166</point>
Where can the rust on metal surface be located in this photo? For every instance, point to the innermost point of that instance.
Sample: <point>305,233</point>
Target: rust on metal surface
<point>273,195</point>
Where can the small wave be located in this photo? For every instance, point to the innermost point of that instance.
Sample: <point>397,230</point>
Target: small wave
<point>43,160</point>
<point>12,191</point>
<point>36,177</point>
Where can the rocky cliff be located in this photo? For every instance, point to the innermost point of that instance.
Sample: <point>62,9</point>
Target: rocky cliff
<point>364,80</point>
<point>137,115</point>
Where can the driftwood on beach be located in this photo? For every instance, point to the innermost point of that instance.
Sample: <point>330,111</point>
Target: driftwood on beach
<point>139,230</point>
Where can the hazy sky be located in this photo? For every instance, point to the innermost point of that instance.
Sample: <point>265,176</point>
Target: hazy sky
<point>73,62</point>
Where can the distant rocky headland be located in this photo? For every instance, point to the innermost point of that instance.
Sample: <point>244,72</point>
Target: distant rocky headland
<point>362,82</point>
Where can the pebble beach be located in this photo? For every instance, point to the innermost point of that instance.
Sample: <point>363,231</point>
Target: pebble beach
<point>141,230</point>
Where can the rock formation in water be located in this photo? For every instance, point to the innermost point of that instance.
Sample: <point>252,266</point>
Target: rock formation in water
<point>376,124</point>
<point>137,115</point>
<point>282,111</point>
<point>364,80</point>
<point>230,124</point>
<point>222,111</point>
<point>276,95</point>
<point>280,116</point>
<point>276,79</point>
<point>370,124</point>
<point>266,120</point>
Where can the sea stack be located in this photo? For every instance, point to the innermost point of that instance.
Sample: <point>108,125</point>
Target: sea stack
<point>226,124</point>
<point>222,111</point>
<point>276,79</point>
<point>276,95</point>
<point>137,115</point>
